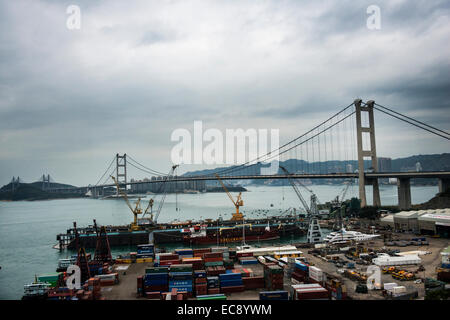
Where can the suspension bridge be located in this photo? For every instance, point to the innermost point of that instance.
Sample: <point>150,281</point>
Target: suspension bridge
<point>341,147</point>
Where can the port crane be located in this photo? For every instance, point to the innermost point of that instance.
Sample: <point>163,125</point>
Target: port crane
<point>314,233</point>
<point>137,210</point>
<point>237,216</point>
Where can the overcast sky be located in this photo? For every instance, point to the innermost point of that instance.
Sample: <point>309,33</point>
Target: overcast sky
<point>137,70</point>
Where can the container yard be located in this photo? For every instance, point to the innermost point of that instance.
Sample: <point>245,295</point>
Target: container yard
<point>309,272</point>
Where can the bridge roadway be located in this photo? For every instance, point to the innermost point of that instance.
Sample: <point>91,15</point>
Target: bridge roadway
<point>443,175</point>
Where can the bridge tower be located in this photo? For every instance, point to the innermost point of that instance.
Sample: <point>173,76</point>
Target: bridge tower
<point>45,182</point>
<point>370,152</point>
<point>121,170</point>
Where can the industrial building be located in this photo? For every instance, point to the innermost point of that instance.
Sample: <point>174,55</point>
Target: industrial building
<point>432,222</point>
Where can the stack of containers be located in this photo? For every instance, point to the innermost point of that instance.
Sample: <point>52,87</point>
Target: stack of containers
<point>231,282</point>
<point>213,285</point>
<point>315,275</point>
<point>184,253</point>
<point>109,279</point>
<point>253,282</point>
<point>201,285</point>
<point>156,279</point>
<point>310,291</point>
<point>166,259</point>
<point>300,272</point>
<point>245,272</point>
<point>94,288</point>
<point>228,264</point>
<point>273,295</point>
<point>140,286</point>
<point>232,254</point>
<point>273,276</point>
<point>247,260</point>
<point>146,252</point>
<point>197,262</point>
<point>213,259</point>
<point>213,262</point>
<point>199,252</point>
<point>181,278</point>
<point>223,250</point>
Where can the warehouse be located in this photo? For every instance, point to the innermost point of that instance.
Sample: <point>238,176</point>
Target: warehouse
<point>435,222</point>
<point>407,220</point>
<point>387,221</point>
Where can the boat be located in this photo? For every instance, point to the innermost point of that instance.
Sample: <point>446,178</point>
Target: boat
<point>344,236</point>
<point>63,264</point>
<point>229,234</point>
<point>36,291</point>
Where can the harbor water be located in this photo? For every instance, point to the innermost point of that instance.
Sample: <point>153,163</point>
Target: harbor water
<point>28,229</point>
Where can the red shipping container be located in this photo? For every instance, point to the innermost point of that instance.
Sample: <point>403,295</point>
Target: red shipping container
<point>213,290</point>
<point>200,281</point>
<point>105,283</point>
<point>168,256</point>
<point>244,254</point>
<point>156,288</point>
<point>253,282</point>
<point>232,289</point>
<point>311,293</point>
<point>213,255</point>
<point>201,250</point>
<point>213,259</point>
<point>169,262</point>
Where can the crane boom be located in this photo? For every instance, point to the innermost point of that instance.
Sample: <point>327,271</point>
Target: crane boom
<point>158,211</point>
<point>225,188</point>
<point>238,203</point>
<point>294,186</point>
<point>123,194</point>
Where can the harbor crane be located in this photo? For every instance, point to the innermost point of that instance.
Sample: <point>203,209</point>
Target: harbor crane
<point>314,233</point>
<point>138,210</point>
<point>237,216</point>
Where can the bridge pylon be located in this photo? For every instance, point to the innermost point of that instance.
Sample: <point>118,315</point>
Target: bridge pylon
<point>369,151</point>
<point>121,170</point>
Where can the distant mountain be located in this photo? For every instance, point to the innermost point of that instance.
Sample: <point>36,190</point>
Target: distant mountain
<point>430,162</point>
<point>28,191</point>
<point>34,191</point>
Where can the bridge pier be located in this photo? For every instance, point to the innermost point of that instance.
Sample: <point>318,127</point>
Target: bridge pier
<point>444,184</point>
<point>404,193</point>
<point>375,190</point>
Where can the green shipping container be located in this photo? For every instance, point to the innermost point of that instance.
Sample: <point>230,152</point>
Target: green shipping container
<point>157,270</point>
<point>52,278</point>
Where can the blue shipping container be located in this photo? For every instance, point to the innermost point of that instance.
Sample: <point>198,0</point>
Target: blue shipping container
<point>273,295</point>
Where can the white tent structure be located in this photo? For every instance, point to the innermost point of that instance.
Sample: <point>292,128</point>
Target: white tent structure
<point>387,260</point>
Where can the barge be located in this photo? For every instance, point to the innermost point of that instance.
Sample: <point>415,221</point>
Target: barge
<point>187,232</point>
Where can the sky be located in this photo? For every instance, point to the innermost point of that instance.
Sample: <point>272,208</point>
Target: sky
<point>135,71</point>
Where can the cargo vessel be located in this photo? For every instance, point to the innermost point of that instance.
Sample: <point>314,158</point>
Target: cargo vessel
<point>183,232</point>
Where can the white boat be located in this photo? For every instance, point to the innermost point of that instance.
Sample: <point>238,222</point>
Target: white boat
<point>35,290</point>
<point>344,236</point>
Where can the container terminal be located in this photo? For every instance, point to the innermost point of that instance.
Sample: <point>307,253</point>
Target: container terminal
<point>361,261</point>
<point>410,268</point>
